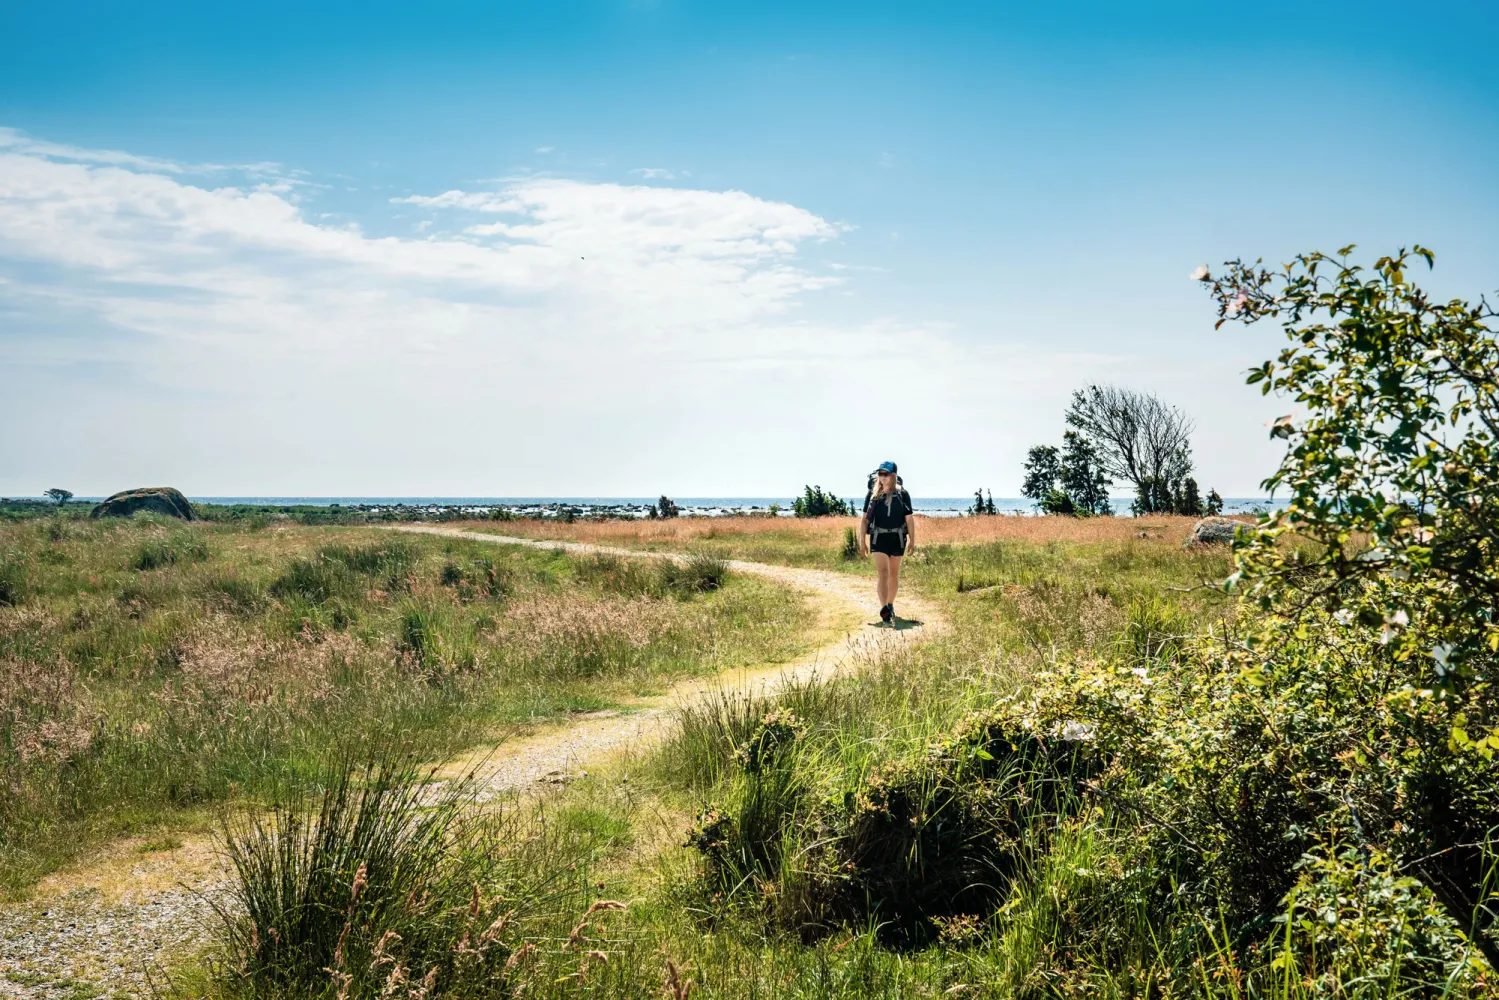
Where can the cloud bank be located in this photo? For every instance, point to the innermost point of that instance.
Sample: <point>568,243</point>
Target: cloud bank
<point>194,324</point>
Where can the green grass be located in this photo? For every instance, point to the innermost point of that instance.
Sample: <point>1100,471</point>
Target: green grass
<point>151,668</point>
<point>883,835</point>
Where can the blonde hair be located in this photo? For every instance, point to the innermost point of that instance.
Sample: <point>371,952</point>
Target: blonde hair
<point>879,492</point>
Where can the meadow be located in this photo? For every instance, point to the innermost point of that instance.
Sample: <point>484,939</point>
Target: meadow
<point>152,670</point>
<point>1079,786</point>
<point>1043,800</point>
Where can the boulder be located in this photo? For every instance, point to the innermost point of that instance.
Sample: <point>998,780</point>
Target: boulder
<point>156,499</point>
<point>1214,531</point>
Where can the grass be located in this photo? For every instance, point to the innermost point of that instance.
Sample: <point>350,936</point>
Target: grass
<point>881,833</point>
<point>150,668</point>
<point>821,541</point>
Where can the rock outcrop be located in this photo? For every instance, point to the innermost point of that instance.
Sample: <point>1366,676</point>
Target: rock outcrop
<point>156,499</point>
<point>1214,531</point>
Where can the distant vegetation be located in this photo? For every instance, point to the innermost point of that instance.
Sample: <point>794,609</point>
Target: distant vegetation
<point>1118,435</point>
<point>815,503</point>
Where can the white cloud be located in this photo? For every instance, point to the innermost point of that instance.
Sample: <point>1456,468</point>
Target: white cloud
<point>545,149</point>
<point>13,140</point>
<point>545,336</point>
<point>656,173</point>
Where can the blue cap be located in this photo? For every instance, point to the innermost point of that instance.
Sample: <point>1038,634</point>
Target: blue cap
<point>886,467</point>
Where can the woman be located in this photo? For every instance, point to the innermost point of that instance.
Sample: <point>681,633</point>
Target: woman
<point>889,531</point>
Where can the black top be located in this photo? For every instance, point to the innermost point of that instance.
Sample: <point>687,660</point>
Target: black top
<point>890,510</point>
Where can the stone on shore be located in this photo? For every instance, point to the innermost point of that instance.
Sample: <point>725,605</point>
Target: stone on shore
<point>162,500</point>
<point>1214,531</point>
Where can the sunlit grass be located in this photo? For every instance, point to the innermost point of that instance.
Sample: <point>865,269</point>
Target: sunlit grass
<point>148,668</point>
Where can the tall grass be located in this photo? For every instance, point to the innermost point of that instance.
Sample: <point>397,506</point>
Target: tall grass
<point>244,658</point>
<point>386,885</point>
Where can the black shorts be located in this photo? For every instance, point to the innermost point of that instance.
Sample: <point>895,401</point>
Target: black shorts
<point>888,542</point>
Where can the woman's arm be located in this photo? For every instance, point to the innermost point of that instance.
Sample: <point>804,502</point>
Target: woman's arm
<point>910,534</point>
<point>864,532</point>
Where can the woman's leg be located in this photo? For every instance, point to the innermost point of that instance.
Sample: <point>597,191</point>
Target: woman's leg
<point>892,583</point>
<point>882,571</point>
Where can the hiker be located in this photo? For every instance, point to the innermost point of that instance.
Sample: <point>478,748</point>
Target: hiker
<point>888,529</point>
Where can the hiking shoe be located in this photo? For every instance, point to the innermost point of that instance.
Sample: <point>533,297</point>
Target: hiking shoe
<point>890,608</point>
<point>887,612</point>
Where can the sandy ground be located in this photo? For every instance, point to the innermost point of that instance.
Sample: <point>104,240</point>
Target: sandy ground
<point>107,927</point>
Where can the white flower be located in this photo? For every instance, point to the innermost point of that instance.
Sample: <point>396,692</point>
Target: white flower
<point>1440,653</point>
<point>1075,732</point>
<point>1201,273</point>
<point>1399,618</point>
<point>1343,616</point>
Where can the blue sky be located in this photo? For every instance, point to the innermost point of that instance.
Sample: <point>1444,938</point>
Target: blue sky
<point>620,248</point>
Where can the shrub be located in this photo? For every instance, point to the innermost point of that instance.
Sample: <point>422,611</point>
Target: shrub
<point>815,502</point>
<point>770,742</point>
<point>748,836</point>
<point>915,841</point>
<point>1385,554</point>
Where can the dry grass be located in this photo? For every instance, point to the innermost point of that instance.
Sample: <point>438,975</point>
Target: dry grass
<point>828,531</point>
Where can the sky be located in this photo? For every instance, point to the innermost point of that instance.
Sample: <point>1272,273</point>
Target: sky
<point>706,249</point>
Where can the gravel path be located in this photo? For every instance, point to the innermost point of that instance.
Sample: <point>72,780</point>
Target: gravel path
<point>108,927</point>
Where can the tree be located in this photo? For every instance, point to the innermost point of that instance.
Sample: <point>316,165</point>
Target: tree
<point>817,502</point>
<point>989,504</point>
<point>1214,505</point>
<point>1137,437</point>
<point>1154,495</point>
<point>1188,500</point>
<point>60,495</point>
<point>1057,502</point>
<point>1042,469</point>
<point>1082,477</point>
<point>978,503</point>
<point>666,508</point>
<point>1392,522</point>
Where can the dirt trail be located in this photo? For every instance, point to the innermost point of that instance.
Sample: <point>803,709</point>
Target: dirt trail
<point>844,606</point>
<point>104,928</point>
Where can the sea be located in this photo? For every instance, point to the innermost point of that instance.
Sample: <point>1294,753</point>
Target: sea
<point>637,506</point>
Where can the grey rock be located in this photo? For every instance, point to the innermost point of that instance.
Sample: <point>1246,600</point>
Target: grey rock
<point>156,499</point>
<point>1214,531</point>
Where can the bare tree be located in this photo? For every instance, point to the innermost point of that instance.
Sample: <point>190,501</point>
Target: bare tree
<point>1138,438</point>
